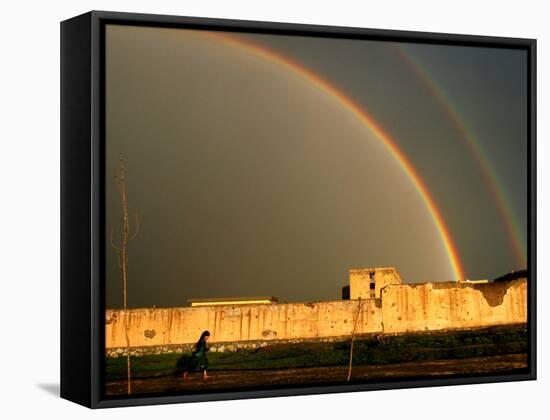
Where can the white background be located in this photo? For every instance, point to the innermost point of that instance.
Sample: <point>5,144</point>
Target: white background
<point>29,214</point>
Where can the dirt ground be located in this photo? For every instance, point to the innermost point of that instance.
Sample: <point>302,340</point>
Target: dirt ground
<point>227,379</point>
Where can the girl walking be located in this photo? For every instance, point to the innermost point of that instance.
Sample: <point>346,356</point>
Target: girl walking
<point>198,359</point>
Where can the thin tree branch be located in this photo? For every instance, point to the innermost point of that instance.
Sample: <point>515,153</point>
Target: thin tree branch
<point>113,243</point>
<point>137,229</point>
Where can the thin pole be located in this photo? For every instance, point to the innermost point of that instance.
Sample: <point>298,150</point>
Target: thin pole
<point>359,307</point>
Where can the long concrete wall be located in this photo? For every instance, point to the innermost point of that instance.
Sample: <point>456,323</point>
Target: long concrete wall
<point>403,308</point>
<point>436,306</point>
<point>165,326</point>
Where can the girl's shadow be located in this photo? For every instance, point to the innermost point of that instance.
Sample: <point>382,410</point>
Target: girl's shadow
<point>182,363</point>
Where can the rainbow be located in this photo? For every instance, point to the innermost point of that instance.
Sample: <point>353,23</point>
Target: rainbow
<point>488,171</point>
<point>369,122</point>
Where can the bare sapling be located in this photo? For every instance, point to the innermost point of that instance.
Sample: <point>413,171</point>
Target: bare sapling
<point>123,257</point>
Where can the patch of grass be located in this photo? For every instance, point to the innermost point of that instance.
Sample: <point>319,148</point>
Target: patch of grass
<point>374,349</point>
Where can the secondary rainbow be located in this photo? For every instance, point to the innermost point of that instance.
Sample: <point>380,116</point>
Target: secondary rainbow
<point>488,171</point>
<point>368,120</point>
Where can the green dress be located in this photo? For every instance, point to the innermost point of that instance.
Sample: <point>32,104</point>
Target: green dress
<point>198,359</point>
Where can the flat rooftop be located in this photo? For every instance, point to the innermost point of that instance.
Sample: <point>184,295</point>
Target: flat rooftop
<point>242,300</point>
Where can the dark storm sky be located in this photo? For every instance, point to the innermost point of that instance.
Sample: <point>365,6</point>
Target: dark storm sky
<point>249,181</point>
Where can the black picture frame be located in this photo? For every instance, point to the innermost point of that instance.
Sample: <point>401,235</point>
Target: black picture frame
<point>83,191</point>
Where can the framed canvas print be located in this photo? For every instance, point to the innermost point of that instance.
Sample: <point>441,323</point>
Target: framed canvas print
<point>255,209</point>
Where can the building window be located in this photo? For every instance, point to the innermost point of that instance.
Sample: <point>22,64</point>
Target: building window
<point>372,285</point>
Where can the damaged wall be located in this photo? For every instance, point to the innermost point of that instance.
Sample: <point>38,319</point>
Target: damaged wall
<point>162,326</point>
<point>435,306</point>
